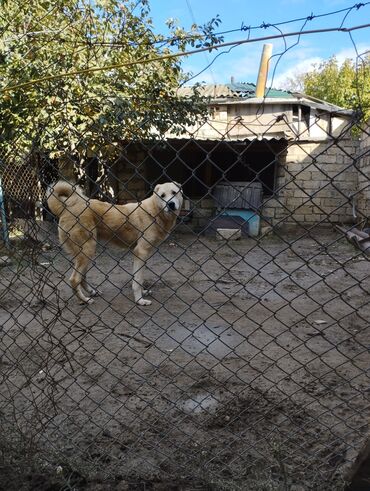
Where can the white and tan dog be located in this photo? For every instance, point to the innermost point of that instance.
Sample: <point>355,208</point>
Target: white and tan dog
<point>139,226</point>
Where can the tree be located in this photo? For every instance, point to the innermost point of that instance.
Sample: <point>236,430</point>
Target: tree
<point>347,85</point>
<point>91,110</point>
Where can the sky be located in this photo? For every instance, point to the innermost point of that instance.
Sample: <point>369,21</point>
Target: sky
<point>242,62</point>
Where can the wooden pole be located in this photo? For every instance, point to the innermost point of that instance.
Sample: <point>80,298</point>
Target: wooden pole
<point>263,71</point>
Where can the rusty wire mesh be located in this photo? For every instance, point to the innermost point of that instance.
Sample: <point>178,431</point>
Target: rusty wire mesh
<point>249,370</point>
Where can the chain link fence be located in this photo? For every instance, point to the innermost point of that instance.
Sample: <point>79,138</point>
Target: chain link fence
<point>245,364</point>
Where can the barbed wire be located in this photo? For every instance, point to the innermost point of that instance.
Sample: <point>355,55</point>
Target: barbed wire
<point>242,28</point>
<point>180,55</point>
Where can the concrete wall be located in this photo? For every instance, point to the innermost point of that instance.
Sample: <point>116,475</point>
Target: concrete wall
<point>248,119</point>
<point>242,121</point>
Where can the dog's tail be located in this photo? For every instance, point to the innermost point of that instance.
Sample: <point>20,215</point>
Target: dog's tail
<point>57,195</point>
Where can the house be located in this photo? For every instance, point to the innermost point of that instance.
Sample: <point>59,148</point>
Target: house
<point>298,148</point>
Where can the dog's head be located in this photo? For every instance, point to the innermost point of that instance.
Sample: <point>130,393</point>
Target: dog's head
<point>169,197</point>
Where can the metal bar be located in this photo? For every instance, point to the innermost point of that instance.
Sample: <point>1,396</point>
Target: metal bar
<point>4,224</point>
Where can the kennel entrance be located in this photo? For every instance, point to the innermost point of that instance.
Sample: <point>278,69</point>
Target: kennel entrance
<point>203,166</point>
<point>200,165</point>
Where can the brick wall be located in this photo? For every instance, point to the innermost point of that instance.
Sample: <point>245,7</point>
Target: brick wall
<point>363,201</point>
<point>126,178</point>
<point>202,210</point>
<point>314,184</point>
<point>131,176</point>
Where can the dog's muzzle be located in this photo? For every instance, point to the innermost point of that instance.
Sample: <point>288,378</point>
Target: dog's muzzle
<point>172,205</point>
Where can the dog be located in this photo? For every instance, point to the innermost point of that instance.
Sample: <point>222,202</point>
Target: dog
<point>140,227</point>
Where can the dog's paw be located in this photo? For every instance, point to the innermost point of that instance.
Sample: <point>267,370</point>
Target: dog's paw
<point>142,301</point>
<point>88,301</point>
<point>96,293</point>
<point>147,292</point>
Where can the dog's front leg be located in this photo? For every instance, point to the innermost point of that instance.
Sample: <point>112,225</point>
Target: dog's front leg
<point>141,255</point>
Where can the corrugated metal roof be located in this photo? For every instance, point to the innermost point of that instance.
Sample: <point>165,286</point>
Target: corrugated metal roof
<point>234,91</point>
<point>206,139</point>
<point>238,93</point>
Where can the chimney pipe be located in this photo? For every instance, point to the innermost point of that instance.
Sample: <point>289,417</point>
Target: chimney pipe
<point>264,69</point>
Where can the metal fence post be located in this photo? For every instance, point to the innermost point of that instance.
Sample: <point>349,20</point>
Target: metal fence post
<point>4,224</point>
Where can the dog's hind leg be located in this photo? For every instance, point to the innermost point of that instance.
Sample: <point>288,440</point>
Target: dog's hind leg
<point>81,263</point>
<point>142,252</point>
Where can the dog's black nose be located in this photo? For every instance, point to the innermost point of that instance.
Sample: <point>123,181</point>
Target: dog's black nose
<point>172,205</point>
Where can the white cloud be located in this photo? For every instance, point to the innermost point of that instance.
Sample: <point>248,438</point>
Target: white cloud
<point>352,52</point>
<point>242,62</point>
<point>303,66</point>
<point>307,64</point>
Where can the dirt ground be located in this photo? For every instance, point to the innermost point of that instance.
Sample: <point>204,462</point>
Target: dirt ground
<point>248,371</point>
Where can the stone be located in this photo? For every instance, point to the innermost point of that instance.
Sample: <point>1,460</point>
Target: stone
<point>228,233</point>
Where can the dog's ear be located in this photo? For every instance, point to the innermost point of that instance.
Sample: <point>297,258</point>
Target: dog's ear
<point>156,189</point>
<point>178,184</point>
